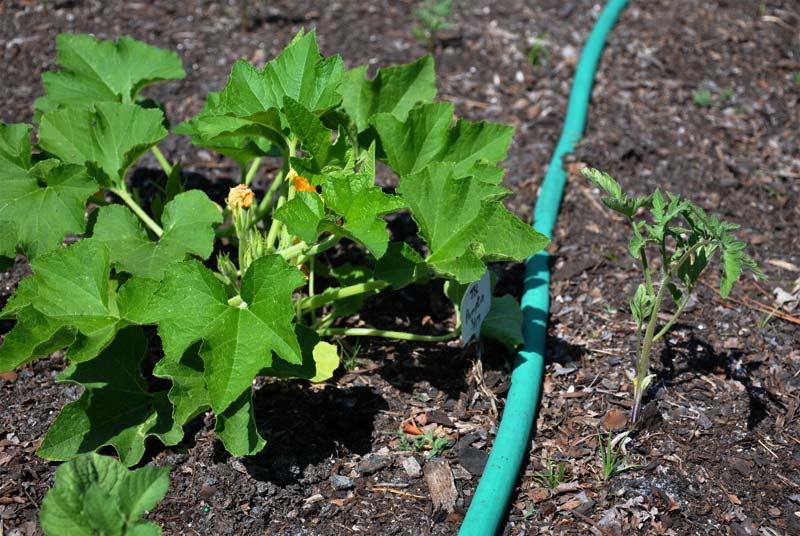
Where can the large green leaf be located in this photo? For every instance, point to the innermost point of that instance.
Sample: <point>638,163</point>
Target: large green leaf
<point>354,196</point>
<point>116,407</point>
<point>315,138</point>
<point>426,136</point>
<point>243,149</point>
<point>74,304</point>
<point>302,215</point>
<point>238,340</point>
<point>464,223</point>
<point>95,494</point>
<point>504,322</point>
<point>299,72</point>
<point>94,70</point>
<point>394,90</point>
<point>401,266</point>
<point>247,107</point>
<point>107,139</point>
<point>187,222</point>
<point>45,202</point>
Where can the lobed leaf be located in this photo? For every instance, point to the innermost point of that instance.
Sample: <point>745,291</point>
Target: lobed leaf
<point>95,70</point>
<point>464,223</point>
<point>116,408</point>
<point>44,201</point>
<point>426,136</point>
<point>94,493</point>
<point>187,222</point>
<point>394,90</point>
<point>70,300</point>
<point>238,341</point>
<point>107,139</point>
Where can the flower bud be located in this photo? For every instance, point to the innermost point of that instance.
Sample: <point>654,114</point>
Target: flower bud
<point>240,196</point>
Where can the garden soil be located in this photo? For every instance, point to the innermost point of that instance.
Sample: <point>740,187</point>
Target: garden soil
<point>718,449</point>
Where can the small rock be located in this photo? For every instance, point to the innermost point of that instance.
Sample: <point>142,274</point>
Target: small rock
<point>459,473</point>
<point>473,460</point>
<point>207,491</point>
<point>373,464</point>
<point>314,499</point>
<point>412,467</point>
<point>744,467</point>
<point>440,417</point>
<point>342,483</point>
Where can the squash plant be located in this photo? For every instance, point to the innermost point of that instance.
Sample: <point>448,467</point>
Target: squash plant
<point>238,287</point>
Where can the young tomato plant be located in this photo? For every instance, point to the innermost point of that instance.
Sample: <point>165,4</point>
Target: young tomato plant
<point>264,305</point>
<point>686,240</point>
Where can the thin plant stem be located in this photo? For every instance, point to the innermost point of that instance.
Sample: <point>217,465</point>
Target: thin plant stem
<point>322,246</point>
<point>251,171</point>
<point>138,210</point>
<point>165,165</point>
<point>643,359</point>
<point>333,295</point>
<point>388,334</point>
<point>311,287</point>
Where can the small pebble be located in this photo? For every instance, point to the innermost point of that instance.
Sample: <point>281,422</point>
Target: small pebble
<point>412,467</point>
<point>342,483</point>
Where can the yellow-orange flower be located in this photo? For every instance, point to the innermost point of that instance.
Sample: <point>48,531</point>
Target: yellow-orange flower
<point>241,196</point>
<point>301,184</point>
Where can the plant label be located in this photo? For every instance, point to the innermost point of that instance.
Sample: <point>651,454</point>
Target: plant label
<point>475,306</point>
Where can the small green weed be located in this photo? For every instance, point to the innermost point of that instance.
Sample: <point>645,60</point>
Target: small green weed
<point>553,474</point>
<point>433,17</point>
<point>702,98</point>
<point>538,52</point>
<point>796,78</point>
<point>612,454</point>
<point>350,360</point>
<point>427,443</point>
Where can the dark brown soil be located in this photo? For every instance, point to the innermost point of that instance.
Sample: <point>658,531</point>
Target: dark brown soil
<point>718,453</point>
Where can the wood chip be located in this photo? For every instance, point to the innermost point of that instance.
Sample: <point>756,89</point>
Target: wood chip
<point>439,478</point>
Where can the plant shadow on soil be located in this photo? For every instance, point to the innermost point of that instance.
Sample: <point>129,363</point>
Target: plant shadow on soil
<point>697,356</point>
<point>304,426</point>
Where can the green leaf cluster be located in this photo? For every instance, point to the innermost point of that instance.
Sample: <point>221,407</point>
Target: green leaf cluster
<point>138,265</point>
<point>96,494</point>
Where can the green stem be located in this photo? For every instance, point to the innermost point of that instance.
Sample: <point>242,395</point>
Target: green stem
<point>251,172</point>
<point>400,335</point>
<point>333,295</point>
<point>643,359</point>
<point>663,331</point>
<point>325,245</point>
<point>161,160</point>
<point>275,226</point>
<point>311,288</point>
<point>138,210</point>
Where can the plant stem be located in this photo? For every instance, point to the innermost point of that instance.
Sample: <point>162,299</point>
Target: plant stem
<point>138,210</point>
<point>325,245</point>
<point>400,335</point>
<point>251,172</point>
<point>333,295</point>
<point>663,331</point>
<point>643,359</point>
<point>161,160</point>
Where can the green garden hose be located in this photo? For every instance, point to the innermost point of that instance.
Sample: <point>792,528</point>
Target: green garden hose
<point>490,503</point>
